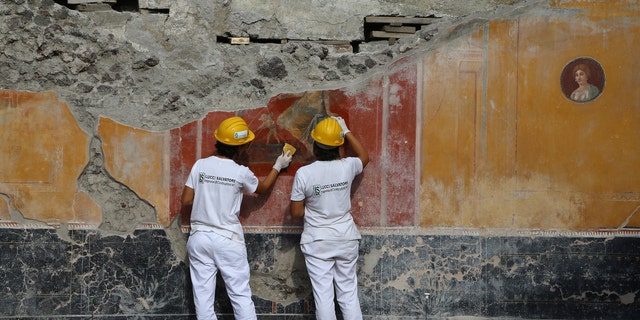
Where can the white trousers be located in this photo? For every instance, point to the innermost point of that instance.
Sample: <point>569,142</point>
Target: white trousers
<point>332,268</point>
<point>208,254</point>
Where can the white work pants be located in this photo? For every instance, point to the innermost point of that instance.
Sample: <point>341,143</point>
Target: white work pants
<point>208,254</point>
<point>332,268</point>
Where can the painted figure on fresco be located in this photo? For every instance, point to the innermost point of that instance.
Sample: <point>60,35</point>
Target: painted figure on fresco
<point>268,123</point>
<point>585,91</point>
<point>214,189</point>
<point>303,115</point>
<point>321,193</point>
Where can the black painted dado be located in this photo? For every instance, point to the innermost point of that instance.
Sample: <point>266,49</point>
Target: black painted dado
<point>90,275</point>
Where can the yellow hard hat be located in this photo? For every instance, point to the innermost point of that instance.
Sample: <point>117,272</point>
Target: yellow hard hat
<point>234,131</point>
<point>328,132</point>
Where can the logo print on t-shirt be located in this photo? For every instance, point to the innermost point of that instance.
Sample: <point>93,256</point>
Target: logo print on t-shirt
<point>316,190</point>
<point>205,178</point>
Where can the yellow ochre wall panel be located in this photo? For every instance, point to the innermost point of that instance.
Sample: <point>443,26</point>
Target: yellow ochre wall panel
<point>139,159</point>
<point>43,152</point>
<point>505,145</point>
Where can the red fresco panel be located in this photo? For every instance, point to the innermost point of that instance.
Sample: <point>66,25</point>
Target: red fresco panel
<point>270,209</point>
<point>362,111</point>
<point>401,141</point>
<point>288,118</point>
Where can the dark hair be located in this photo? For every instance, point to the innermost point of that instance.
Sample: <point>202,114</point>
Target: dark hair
<point>324,154</point>
<point>226,150</point>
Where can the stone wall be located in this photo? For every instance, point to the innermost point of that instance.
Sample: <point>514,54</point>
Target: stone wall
<point>88,274</point>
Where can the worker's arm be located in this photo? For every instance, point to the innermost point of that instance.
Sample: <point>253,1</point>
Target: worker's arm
<point>358,148</point>
<point>187,196</point>
<point>297,209</point>
<point>265,184</point>
<point>282,162</point>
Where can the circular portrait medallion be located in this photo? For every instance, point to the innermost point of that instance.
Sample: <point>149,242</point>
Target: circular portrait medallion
<point>582,80</point>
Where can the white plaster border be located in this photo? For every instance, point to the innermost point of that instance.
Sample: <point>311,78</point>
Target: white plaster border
<point>413,231</point>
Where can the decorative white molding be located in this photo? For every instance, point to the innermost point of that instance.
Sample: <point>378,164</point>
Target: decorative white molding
<point>410,231</point>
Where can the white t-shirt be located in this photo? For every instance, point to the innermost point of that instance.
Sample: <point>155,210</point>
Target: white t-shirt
<point>326,186</point>
<point>218,184</point>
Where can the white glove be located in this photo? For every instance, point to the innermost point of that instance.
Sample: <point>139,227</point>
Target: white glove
<point>343,125</point>
<point>282,162</point>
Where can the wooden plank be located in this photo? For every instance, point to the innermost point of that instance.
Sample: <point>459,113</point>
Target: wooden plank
<point>382,34</point>
<point>244,40</point>
<point>402,29</point>
<point>399,20</point>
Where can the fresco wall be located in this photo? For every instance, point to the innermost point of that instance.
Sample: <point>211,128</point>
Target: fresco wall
<point>505,145</point>
<point>498,140</point>
<point>155,165</point>
<point>42,159</point>
<point>493,189</point>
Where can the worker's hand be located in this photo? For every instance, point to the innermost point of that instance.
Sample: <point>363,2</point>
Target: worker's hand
<point>283,161</point>
<point>343,125</point>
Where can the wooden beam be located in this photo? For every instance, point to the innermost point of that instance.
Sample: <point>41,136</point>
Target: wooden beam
<point>382,34</point>
<point>240,40</point>
<point>402,29</point>
<point>399,20</point>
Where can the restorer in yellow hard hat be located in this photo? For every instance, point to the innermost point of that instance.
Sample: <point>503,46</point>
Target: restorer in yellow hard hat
<point>215,187</point>
<point>321,194</point>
